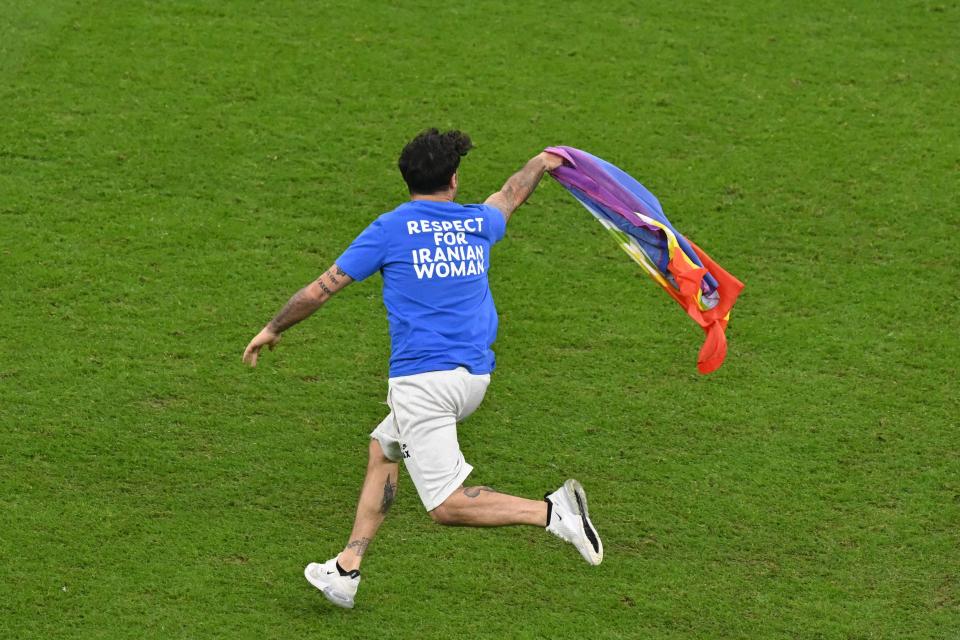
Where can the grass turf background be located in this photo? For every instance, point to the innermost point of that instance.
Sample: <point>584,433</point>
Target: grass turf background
<point>170,172</point>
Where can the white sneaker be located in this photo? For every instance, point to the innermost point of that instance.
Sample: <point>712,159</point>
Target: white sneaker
<point>338,589</point>
<point>570,521</point>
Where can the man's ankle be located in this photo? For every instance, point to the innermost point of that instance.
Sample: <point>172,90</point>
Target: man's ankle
<point>348,561</point>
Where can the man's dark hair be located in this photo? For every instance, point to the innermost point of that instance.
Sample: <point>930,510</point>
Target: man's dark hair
<point>430,160</point>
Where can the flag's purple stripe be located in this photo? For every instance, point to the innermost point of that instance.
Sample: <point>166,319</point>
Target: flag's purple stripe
<point>617,191</point>
<point>652,241</point>
<point>629,182</point>
<point>591,178</point>
<point>626,189</point>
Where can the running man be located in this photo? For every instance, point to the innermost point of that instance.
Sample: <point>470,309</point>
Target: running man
<point>434,255</point>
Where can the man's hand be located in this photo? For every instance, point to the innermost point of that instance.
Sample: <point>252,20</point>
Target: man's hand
<point>300,306</point>
<point>552,160</point>
<point>266,337</point>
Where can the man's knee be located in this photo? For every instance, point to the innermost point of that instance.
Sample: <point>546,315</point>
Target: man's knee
<point>440,515</point>
<point>377,457</point>
<point>445,514</point>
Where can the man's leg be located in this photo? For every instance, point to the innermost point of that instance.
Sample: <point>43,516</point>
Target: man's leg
<point>339,577</point>
<point>484,507</point>
<point>427,408</point>
<point>564,513</point>
<point>378,493</point>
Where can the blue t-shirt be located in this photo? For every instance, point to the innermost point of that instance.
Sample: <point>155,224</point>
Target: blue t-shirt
<point>434,258</point>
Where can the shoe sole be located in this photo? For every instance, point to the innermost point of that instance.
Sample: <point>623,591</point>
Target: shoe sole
<point>579,498</point>
<point>334,597</point>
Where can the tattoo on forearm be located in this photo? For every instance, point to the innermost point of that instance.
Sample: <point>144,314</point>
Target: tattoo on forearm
<point>389,494</point>
<point>323,286</point>
<point>522,183</point>
<point>335,273</point>
<point>473,492</point>
<point>297,308</point>
<point>359,545</point>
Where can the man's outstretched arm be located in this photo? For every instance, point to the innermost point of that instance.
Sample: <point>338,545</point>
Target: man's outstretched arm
<point>521,184</point>
<point>299,307</point>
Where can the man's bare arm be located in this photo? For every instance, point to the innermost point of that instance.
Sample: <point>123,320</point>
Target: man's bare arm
<point>521,184</point>
<point>304,302</point>
<point>300,306</point>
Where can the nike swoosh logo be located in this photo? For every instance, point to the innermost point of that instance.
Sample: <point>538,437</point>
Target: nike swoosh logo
<point>587,528</point>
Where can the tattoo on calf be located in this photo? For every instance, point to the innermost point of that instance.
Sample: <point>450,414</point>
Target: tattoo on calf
<point>333,276</point>
<point>473,492</point>
<point>389,495</point>
<point>359,545</point>
<point>323,286</point>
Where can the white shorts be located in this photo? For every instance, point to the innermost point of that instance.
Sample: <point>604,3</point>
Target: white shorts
<point>422,428</point>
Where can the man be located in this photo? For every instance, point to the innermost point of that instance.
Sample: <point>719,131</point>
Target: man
<point>434,255</point>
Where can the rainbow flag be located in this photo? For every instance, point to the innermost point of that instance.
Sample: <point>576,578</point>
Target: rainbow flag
<point>635,218</point>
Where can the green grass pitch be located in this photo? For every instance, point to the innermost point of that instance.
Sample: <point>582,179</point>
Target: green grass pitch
<point>170,172</point>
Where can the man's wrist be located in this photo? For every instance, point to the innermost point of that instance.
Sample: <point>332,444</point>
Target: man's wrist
<point>273,328</point>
